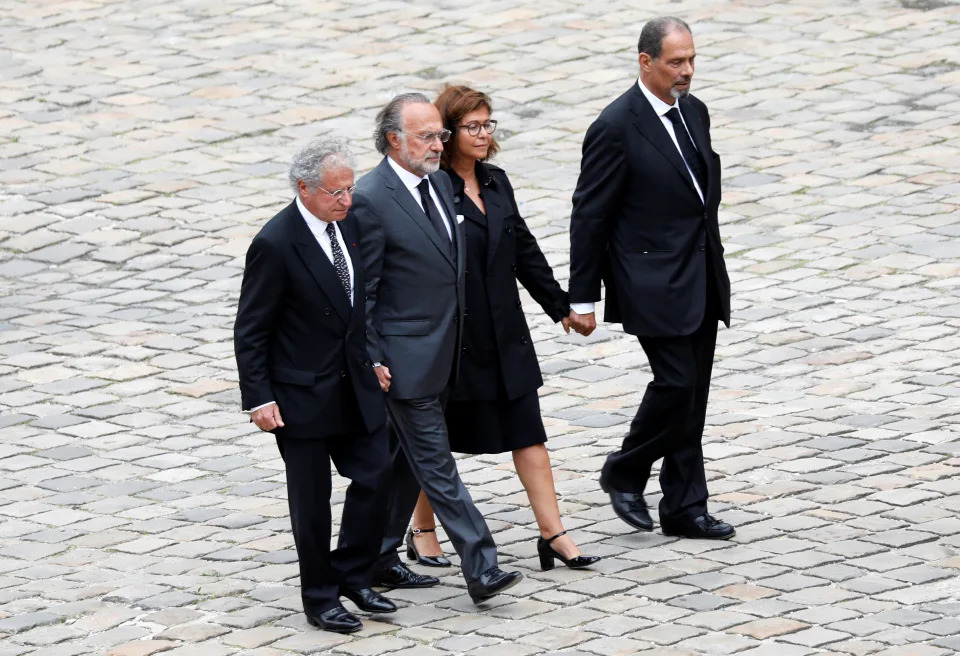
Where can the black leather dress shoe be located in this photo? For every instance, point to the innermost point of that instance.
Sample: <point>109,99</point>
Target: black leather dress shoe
<point>491,583</point>
<point>401,576</point>
<point>704,527</point>
<point>629,507</point>
<point>337,619</point>
<point>369,600</point>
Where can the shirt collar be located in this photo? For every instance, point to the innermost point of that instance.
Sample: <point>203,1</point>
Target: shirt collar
<point>658,105</point>
<point>409,180</point>
<point>308,215</point>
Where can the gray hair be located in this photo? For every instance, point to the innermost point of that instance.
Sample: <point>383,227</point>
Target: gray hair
<point>390,118</point>
<point>316,158</point>
<point>653,33</point>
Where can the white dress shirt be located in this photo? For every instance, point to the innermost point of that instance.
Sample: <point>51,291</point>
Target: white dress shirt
<point>410,181</point>
<point>319,229</point>
<point>661,108</point>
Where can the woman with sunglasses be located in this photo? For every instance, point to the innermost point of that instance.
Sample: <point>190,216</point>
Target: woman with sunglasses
<point>494,408</point>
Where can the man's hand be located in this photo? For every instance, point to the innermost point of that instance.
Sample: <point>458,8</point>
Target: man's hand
<point>383,375</point>
<point>268,417</point>
<point>583,323</point>
<point>565,322</point>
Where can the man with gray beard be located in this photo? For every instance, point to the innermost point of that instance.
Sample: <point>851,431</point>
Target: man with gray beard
<point>413,256</point>
<point>645,223</point>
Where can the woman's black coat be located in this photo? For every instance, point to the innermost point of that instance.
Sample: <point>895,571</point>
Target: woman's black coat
<point>497,352</point>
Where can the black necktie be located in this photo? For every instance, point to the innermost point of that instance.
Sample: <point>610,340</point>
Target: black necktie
<point>339,261</point>
<point>432,212</point>
<point>690,154</point>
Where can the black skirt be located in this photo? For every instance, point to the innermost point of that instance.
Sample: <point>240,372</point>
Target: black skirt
<point>495,426</point>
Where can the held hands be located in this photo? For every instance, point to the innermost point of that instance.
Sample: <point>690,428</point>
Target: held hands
<point>383,375</point>
<point>583,324</point>
<point>267,418</point>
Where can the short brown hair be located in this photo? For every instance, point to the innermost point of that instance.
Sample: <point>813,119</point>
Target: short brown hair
<point>455,102</point>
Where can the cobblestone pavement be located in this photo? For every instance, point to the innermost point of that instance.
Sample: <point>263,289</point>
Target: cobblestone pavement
<point>142,144</point>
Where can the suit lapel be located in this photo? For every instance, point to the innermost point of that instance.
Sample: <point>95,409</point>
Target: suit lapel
<point>699,135</point>
<point>496,213</point>
<point>651,127</point>
<point>348,229</point>
<point>405,200</point>
<point>320,268</point>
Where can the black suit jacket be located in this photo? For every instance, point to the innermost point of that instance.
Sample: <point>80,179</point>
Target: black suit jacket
<point>497,348</point>
<point>639,225</point>
<point>297,339</point>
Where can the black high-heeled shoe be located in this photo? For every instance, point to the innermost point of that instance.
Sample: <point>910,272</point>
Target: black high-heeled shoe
<point>413,554</point>
<point>548,554</point>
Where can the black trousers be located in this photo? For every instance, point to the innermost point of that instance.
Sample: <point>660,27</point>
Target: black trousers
<point>364,459</point>
<point>669,423</point>
<point>421,432</point>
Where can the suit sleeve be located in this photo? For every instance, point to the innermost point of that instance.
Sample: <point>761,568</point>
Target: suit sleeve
<point>533,270</point>
<point>603,173</point>
<point>261,293</point>
<point>372,245</point>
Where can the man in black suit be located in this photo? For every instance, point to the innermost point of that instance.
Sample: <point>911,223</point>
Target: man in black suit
<point>414,258</point>
<point>305,376</point>
<point>645,223</point>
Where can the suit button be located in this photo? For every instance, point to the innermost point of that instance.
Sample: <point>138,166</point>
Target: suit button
<point>702,248</point>
<point>456,199</point>
<point>514,268</point>
<point>456,318</point>
<point>343,374</point>
<point>519,304</point>
<point>463,350</point>
<point>523,340</point>
<point>508,229</point>
<point>466,311</point>
<point>366,363</point>
<point>326,312</point>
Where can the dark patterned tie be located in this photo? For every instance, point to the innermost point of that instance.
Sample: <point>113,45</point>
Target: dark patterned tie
<point>690,154</point>
<point>430,209</point>
<point>339,261</point>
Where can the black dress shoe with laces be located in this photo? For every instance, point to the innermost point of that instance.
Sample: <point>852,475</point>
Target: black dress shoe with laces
<point>704,527</point>
<point>491,583</point>
<point>369,600</point>
<point>337,619</point>
<point>401,576</point>
<point>629,507</point>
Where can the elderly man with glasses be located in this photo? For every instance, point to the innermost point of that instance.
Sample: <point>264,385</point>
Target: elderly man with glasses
<point>305,376</point>
<point>413,255</point>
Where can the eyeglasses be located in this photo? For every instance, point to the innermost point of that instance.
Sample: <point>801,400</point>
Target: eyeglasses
<point>473,128</point>
<point>429,137</point>
<point>338,194</point>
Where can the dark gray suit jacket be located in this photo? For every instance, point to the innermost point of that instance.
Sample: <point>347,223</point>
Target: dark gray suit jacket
<point>414,287</point>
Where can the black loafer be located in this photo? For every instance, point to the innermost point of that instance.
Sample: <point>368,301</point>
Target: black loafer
<point>337,619</point>
<point>491,583</point>
<point>369,600</point>
<point>629,507</point>
<point>401,576</point>
<point>704,527</point>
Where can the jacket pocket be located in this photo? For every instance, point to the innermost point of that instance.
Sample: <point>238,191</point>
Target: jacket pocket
<point>293,376</point>
<point>406,327</point>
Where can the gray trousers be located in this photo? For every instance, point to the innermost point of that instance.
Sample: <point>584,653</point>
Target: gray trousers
<point>422,432</point>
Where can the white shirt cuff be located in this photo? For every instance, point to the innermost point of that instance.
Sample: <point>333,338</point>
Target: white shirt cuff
<point>252,410</point>
<point>583,308</point>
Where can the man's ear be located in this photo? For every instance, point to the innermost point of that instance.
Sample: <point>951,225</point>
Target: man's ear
<point>394,139</point>
<point>644,60</point>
